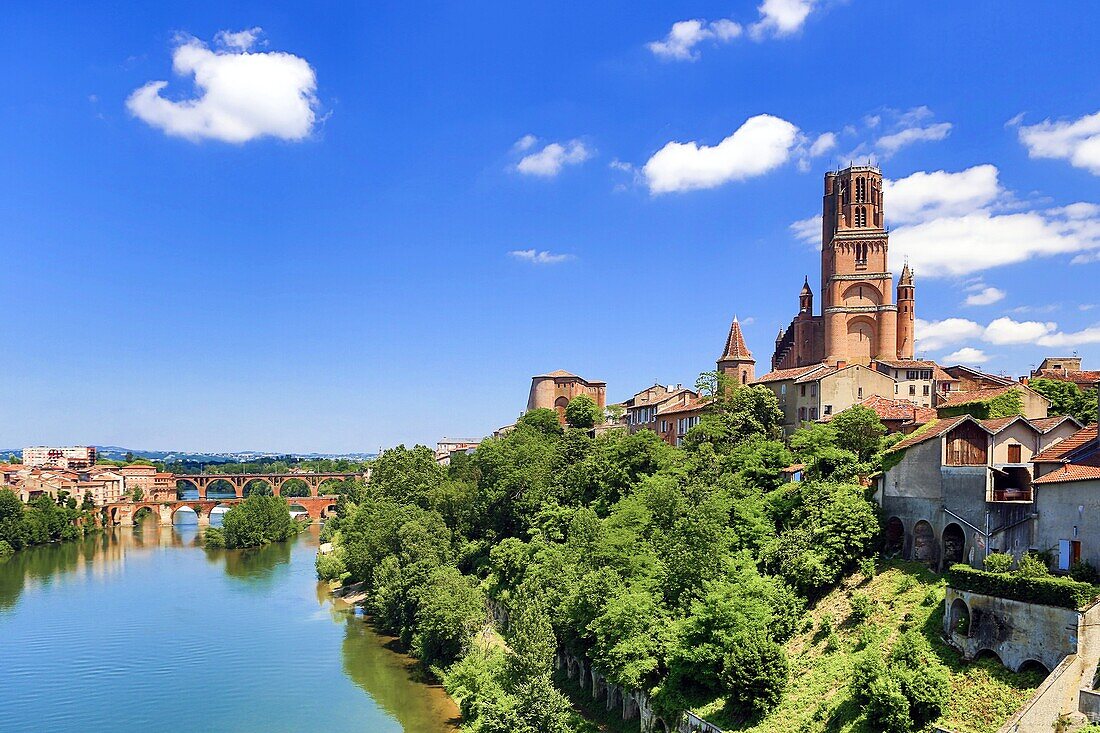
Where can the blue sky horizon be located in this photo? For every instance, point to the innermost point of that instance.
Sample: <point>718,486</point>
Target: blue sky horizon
<point>305,227</point>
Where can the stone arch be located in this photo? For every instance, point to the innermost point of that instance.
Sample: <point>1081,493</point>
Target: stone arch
<point>220,509</point>
<point>894,536</point>
<point>149,509</point>
<point>257,485</point>
<point>862,294</point>
<point>1034,665</point>
<point>861,339</point>
<point>328,510</point>
<point>960,617</point>
<point>988,654</point>
<point>321,485</point>
<point>187,485</point>
<point>614,696</point>
<point>954,544</point>
<point>924,543</point>
<point>294,488</point>
<point>560,404</point>
<point>297,509</point>
<point>220,487</point>
<point>630,706</point>
<point>184,511</point>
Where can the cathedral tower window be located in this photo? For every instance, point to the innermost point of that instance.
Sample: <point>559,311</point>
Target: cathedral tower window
<point>861,190</point>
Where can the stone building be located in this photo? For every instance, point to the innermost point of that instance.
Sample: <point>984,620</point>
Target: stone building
<point>813,392</point>
<point>1066,369</point>
<point>642,409</point>
<point>556,389</point>
<point>1067,499</point>
<point>898,415</point>
<point>859,320</point>
<point>1034,405</point>
<point>963,488</point>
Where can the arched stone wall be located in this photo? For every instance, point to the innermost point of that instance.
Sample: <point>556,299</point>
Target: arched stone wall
<point>925,548</point>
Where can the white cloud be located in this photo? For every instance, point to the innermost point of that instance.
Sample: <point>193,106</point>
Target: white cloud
<point>780,18</point>
<point>537,257</point>
<point>1089,335</point>
<point>825,142</point>
<point>1048,308</point>
<point>241,95</point>
<point>966,355</point>
<point>892,143</point>
<point>524,143</point>
<point>549,161</point>
<point>928,195</point>
<point>950,225</point>
<point>1086,307</point>
<point>933,335</point>
<point>685,35</point>
<point>1004,330</point>
<point>985,296</point>
<point>808,230</point>
<point>239,41</point>
<point>1077,141</point>
<point>761,144</point>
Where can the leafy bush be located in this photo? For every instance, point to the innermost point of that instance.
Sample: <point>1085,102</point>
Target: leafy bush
<point>330,566</point>
<point>6,549</point>
<point>1031,566</point>
<point>755,673</point>
<point>1048,591</point>
<point>1083,572</point>
<point>862,607</point>
<point>869,667</point>
<point>997,562</point>
<point>257,521</point>
<point>867,568</point>
<point>887,706</point>
<point>213,538</point>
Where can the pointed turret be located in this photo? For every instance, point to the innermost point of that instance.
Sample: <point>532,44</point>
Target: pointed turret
<point>806,297</point>
<point>907,302</point>
<point>737,360</point>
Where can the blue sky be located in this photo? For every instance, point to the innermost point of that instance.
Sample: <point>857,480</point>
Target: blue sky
<point>337,243</point>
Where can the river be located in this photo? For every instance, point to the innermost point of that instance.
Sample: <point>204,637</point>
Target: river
<point>140,629</point>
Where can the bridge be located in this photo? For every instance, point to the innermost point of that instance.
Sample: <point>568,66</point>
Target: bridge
<point>125,512</point>
<point>240,481</point>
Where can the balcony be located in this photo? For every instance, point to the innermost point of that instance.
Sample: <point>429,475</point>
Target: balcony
<point>1022,495</point>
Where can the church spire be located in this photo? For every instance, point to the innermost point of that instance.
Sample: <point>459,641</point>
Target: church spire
<point>736,360</point>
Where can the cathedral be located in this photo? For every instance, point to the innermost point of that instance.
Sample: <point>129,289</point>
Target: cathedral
<point>859,320</point>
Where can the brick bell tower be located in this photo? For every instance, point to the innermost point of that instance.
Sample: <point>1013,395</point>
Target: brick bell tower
<point>860,317</point>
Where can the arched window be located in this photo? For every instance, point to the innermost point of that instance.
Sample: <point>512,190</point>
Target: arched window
<point>861,190</point>
<point>861,216</point>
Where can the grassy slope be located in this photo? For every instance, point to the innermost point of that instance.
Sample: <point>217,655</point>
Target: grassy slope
<point>906,595</point>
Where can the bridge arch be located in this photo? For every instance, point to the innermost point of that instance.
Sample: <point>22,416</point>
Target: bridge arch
<point>186,485</point>
<point>185,514</point>
<point>294,488</point>
<point>258,486</point>
<point>333,483</point>
<point>144,510</point>
<point>222,488</point>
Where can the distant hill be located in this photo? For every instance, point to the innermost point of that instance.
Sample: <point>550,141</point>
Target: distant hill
<point>118,453</point>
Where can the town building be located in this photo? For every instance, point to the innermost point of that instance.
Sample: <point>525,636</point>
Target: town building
<point>969,379</point>
<point>1067,500</point>
<point>898,415</point>
<point>816,391</point>
<point>963,487</point>
<point>554,391</point>
<point>79,456</point>
<point>447,447</point>
<point>919,381</point>
<point>139,476</point>
<point>859,320</point>
<point>641,410</point>
<point>981,402</point>
<point>675,420</point>
<point>1065,369</point>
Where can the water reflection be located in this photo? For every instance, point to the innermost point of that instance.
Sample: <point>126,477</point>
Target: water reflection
<point>392,679</point>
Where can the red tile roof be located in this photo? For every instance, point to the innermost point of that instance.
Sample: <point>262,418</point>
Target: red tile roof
<point>1046,424</point>
<point>735,344</point>
<point>1083,468</point>
<point>908,363</point>
<point>891,409</point>
<point>1081,378</point>
<point>692,405</point>
<point>976,395</point>
<point>978,374</point>
<point>937,429</point>
<point>997,424</point>
<point>1060,450</point>
<point>780,375</point>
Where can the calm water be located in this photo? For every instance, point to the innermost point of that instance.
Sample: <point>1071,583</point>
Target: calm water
<point>142,630</point>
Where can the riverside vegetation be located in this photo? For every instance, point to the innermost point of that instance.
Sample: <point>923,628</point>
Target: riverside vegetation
<point>41,521</point>
<point>682,572</point>
<point>258,520</point>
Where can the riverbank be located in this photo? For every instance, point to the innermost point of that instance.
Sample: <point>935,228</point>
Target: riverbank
<point>257,641</point>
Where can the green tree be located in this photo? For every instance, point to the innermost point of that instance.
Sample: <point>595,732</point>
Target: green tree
<point>406,474</point>
<point>13,526</point>
<point>859,430</point>
<point>1067,398</point>
<point>582,412</point>
<point>257,521</point>
<point>754,673</point>
<point>451,610</point>
<point>543,419</point>
<point>88,503</point>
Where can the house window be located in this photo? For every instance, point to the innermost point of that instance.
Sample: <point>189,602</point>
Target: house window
<point>828,409</point>
<point>912,390</point>
<point>801,414</point>
<point>813,413</point>
<point>782,389</point>
<point>803,390</point>
<point>859,393</point>
<point>912,374</point>
<point>813,390</point>
<point>927,390</point>
<point>1014,453</point>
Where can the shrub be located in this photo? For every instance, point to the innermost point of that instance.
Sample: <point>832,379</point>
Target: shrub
<point>213,538</point>
<point>1048,591</point>
<point>927,687</point>
<point>869,667</point>
<point>826,623</point>
<point>867,568</point>
<point>932,597</point>
<point>1031,566</point>
<point>330,566</point>
<point>887,706</point>
<point>997,562</point>
<point>1083,572</point>
<point>755,672</point>
<point>6,549</point>
<point>832,643</point>
<point>907,583</point>
<point>862,607</point>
